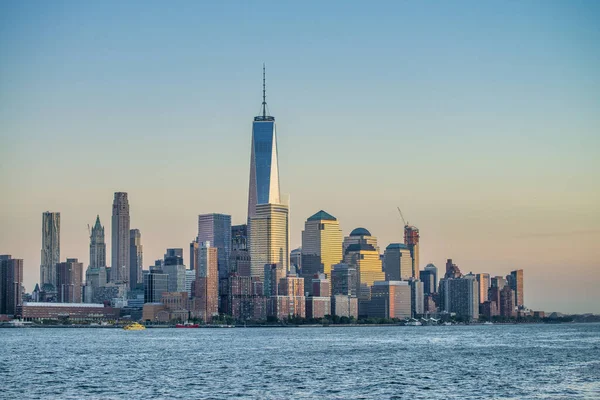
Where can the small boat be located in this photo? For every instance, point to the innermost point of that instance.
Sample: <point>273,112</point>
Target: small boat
<point>134,327</point>
<point>413,322</point>
<point>187,325</point>
<point>488,323</point>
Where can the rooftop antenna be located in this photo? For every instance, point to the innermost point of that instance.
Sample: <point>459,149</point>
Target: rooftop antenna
<point>264,103</point>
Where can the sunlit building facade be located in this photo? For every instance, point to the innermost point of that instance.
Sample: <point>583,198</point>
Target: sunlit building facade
<point>321,244</point>
<point>397,262</point>
<point>269,238</point>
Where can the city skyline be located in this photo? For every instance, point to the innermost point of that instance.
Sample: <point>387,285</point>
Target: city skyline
<point>490,206</point>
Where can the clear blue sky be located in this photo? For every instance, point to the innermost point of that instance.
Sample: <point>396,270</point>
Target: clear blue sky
<point>482,120</point>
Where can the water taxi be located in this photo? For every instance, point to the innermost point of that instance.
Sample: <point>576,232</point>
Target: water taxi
<point>187,325</point>
<point>134,327</point>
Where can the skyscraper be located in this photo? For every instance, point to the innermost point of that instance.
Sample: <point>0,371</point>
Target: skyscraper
<point>120,240</point>
<point>95,275</point>
<point>207,283</point>
<point>216,229</point>
<point>517,286</point>
<point>411,239</point>
<point>365,258</point>
<point>50,250</point>
<point>358,236</point>
<point>321,245</point>
<point>397,262</point>
<point>11,281</point>
<point>264,164</point>
<point>69,276</point>
<point>431,269</point>
<point>136,258</point>
<point>269,238</point>
<point>460,296</point>
<point>193,254</point>
<point>484,286</point>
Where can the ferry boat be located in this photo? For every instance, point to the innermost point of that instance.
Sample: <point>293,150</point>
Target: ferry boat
<point>187,325</point>
<point>134,327</point>
<point>413,322</point>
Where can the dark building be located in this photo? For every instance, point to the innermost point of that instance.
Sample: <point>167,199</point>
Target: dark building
<point>344,280</point>
<point>11,281</point>
<point>452,270</point>
<point>239,237</point>
<point>507,305</point>
<point>136,258</point>
<point>194,255</point>
<point>428,279</point>
<point>69,276</point>
<point>516,284</point>
<point>155,284</point>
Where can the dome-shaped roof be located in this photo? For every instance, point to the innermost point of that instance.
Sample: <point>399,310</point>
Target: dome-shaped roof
<point>360,232</point>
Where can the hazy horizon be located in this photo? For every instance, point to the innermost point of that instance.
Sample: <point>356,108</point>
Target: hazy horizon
<point>482,124</point>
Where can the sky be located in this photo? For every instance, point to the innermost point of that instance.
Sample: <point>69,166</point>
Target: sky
<point>480,120</point>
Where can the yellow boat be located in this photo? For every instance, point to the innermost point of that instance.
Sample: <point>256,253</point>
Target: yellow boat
<point>134,327</point>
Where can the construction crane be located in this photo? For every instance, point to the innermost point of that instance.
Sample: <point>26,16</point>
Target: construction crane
<point>402,216</point>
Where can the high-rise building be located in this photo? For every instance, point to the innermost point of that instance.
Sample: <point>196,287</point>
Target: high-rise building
<point>194,254</point>
<point>216,229</point>
<point>190,277</point>
<point>273,274</point>
<point>344,280</point>
<point>321,244</point>
<point>484,286</point>
<point>239,237</point>
<point>507,302</point>
<point>417,297</point>
<point>360,236</point>
<point>411,239</point>
<point>517,286</point>
<point>206,303</point>
<point>264,164</point>
<point>390,299</point>
<point>365,258</point>
<point>174,253</point>
<point>11,281</point>
<point>96,275</point>
<point>452,270</point>
<point>460,296</point>
<point>136,258</point>
<point>50,250</point>
<point>120,240</point>
<point>296,260</point>
<point>69,276</point>
<point>155,284</point>
<point>239,259</point>
<point>397,262</point>
<point>432,269</point>
<point>498,282</point>
<point>269,238</point>
<point>428,279</point>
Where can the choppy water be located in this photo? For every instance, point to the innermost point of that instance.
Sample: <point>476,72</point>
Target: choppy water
<point>461,362</point>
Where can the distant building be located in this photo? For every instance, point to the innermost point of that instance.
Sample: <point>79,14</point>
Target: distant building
<point>296,259</point>
<point>120,240</point>
<point>498,282</point>
<point>360,236</point>
<point>96,273</point>
<point>190,277</point>
<point>460,296</point>
<point>507,302</point>
<point>69,276</point>
<point>50,250</point>
<point>321,244</point>
<point>321,286</point>
<point>344,305</point>
<point>193,254</point>
<point>318,306</point>
<point>155,284</point>
<point>517,286</point>
<point>397,262</point>
<point>273,274</point>
<point>245,298</point>
<point>239,237</point>
<point>390,299</point>
<point>344,280</point>
<point>77,312</point>
<point>239,259</point>
<point>206,302</point>
<point>484,285</point>
<point>452,270</point>
<point>269,237</point>
<point>411,239</point>
<point>365,258</point>
<point>11,281</point>
<point>106,293</point>
<point>429,277</point>
<point>136,258</point>
<point>176,276</point>
<point>216,229</point>
<point>417,297</point>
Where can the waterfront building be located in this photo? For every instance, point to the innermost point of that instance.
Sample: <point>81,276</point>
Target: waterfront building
<point>178,303</point>
<point>321,244</point>
<point>206,302</point>
<point>344,280</point>
<point>516,285</point>
<point>50,250</point>
<point>76,312</point>
<point>397,262</point>
<point>269,237</point>
<point>365,258</point>
<point>460,296</point>
<point>489,309</point>
<point>484,285</point>
<point>360,236</point>
<point>106,293</point>
<point>507,302</point>
<point>155,284</point>
<point>429,276</point>
<point>155,312</point>
<point>136,258</point>
<point>245,298</point>
<point>69,276</point>
<point>318,306</point>
<point>416,297</point>
<point>216,229</point>
<point>11,281</point>
<point>120,240</point>
<point>390,299</point>
<point>344,305</point>
<point>321,286</point>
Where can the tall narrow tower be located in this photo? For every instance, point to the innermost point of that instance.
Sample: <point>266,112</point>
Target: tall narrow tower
<point>97,246</point>
<point>50,250</point>
<point>119,271</point>
<point>264,164</point>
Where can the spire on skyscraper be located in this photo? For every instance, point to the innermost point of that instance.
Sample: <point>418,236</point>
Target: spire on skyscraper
<point>264,103</point>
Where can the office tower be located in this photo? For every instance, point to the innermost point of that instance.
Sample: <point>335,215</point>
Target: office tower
<point>417,298</point>
<point>360,236</point>
<point>207,283</point>
<point>397,262</point>
<point>296,260</point>
<point>69,276</point>
<point>95,275</point>
<point>11,281</point>
<point>239,259</point>
<point>484,286</point>
<point>50,250</point>
<point>321,244</point>
<point>136,258</point>
<point>411,239</point>
<point>175,252</point>
<point>176,273</point>
<point>269,238</point>
<point>155,284</point>
<point>507,302</point>
<point>390,299</point>
<point>216,229</point>
<point>119,271</point>
<point>344,280</point>
<point>264,164</point>
<point>193,254</point>
<point>190,277</point>
<point>365,258</point>
<point>428,279</point>
<point>452,270</point>
<point>498,282</point>
<point>432,269</point>
<point>517,286</point>
<point>460,296</point>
